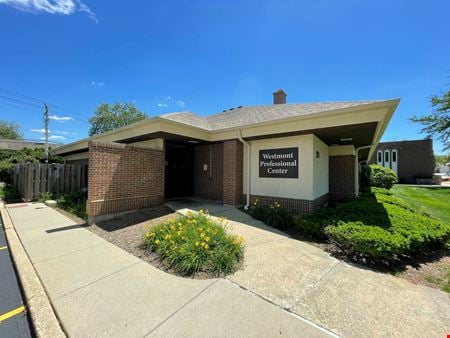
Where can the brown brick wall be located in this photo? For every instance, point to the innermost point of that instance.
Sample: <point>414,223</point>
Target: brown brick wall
<point>123,177</point>
<point>296,206</point>
<point>341,177</point>
<point>415,159</point>
<point>209,183</point>
<point>233,171</point>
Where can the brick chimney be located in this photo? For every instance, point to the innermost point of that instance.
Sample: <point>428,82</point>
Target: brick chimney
<point>279,97</point>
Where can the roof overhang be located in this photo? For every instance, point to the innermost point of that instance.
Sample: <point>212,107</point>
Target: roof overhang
<point>366,123</point>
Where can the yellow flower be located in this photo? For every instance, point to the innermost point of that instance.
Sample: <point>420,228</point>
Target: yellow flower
<point>207,239</point>
<point>179,224</point>
<point>172,227</point>
<point>179,233</point>
<point>167,237</point>
<point>203,244</point>
<point>206,246</point>
<point>202,235</point>
<point>197,243</point>
<point>157,241</point>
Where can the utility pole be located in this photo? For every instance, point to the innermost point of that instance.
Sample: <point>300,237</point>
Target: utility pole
<point>46,131</point>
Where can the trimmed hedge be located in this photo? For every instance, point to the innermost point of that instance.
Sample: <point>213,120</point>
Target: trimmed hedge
<point>376,226</point>
<point>378,176</point>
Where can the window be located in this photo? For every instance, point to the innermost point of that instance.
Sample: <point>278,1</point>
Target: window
<point>394,156</point>
<point>386,156</point>
<point>380,157</point>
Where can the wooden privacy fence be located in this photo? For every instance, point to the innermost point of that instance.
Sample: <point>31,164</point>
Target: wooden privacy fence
<point>32,179</point>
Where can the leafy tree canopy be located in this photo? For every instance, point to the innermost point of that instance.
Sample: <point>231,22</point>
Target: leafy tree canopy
<point>108,117</point>
<point>437,123</point>
<point>10,130</point>
<point>442,159</point>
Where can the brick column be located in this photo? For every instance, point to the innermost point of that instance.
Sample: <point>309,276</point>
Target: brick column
<point>123,177</point>
<point>341,177</point>
<point>233,170</point>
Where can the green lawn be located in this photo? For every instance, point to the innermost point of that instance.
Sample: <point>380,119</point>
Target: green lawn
<point>434,201</point>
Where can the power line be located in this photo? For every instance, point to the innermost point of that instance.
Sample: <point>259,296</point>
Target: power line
<point>33,107</point>
<point>20,101</point>
<point>21,98</point>
<point>21,95</point>
<point>34,110</point>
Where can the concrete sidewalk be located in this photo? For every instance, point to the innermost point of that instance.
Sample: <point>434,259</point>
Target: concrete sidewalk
<point>349,300</point>
<point>100,290</point>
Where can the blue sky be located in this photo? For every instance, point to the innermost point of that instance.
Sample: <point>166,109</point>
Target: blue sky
<point>206,56</point>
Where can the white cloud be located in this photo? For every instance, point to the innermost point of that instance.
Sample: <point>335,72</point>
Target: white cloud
<point>63,132</point>
<point>60,118</point>
<point>54,137</point>
<point>62,7</point>
<point>39,130</point>
<point>95,83</point>
<point>165,101</point>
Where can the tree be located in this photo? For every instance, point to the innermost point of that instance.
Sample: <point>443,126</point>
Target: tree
<point>108,117</point>
<point>438,121</point>
<point>10,130</point>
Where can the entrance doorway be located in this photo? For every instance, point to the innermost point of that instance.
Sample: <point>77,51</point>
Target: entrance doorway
<point>179,170</point>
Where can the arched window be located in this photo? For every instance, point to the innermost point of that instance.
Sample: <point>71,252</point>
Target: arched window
<point>387,158</point>
<point>380,157</point>
<point>394,160</point>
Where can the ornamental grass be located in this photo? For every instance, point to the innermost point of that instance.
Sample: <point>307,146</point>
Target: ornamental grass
<point>196,243</point>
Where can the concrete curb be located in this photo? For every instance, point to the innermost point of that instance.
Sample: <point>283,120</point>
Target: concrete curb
<point>44,320</point>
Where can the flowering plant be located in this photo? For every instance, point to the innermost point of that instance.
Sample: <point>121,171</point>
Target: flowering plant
<point>196,243</point>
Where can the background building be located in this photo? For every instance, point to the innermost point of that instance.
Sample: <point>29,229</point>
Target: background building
<point>410,160</point>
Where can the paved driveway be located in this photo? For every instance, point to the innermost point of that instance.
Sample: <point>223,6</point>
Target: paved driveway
<point>13,320</point>
<point>349,300</point>
<point>99,290</point>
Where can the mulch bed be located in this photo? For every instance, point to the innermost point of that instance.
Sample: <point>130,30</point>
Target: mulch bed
<point>127,233</point>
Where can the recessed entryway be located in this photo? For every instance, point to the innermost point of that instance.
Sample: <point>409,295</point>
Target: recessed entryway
<point>179,178</point>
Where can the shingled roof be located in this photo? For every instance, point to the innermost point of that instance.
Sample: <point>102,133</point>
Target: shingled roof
<point>248,115</point>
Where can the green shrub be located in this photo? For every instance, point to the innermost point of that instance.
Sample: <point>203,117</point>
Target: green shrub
<point>259,211</point>
<point>6,171</point>
<point>314,225</point>
<point>196,243</point>
<point>74,203</point>
<point>8,193</point>
<point>381,177</point>
<point>273,215</point>
<point>279,217</point>
<point>377,226</point>
<point>45,196</point>
<point>356,238</point>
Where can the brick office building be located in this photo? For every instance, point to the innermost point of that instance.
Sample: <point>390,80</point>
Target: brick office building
<point>411,160</point>
<point>301,155</point>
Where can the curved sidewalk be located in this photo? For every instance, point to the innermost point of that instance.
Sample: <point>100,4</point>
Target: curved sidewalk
<point>352,301</point>
<point>100,290</point>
